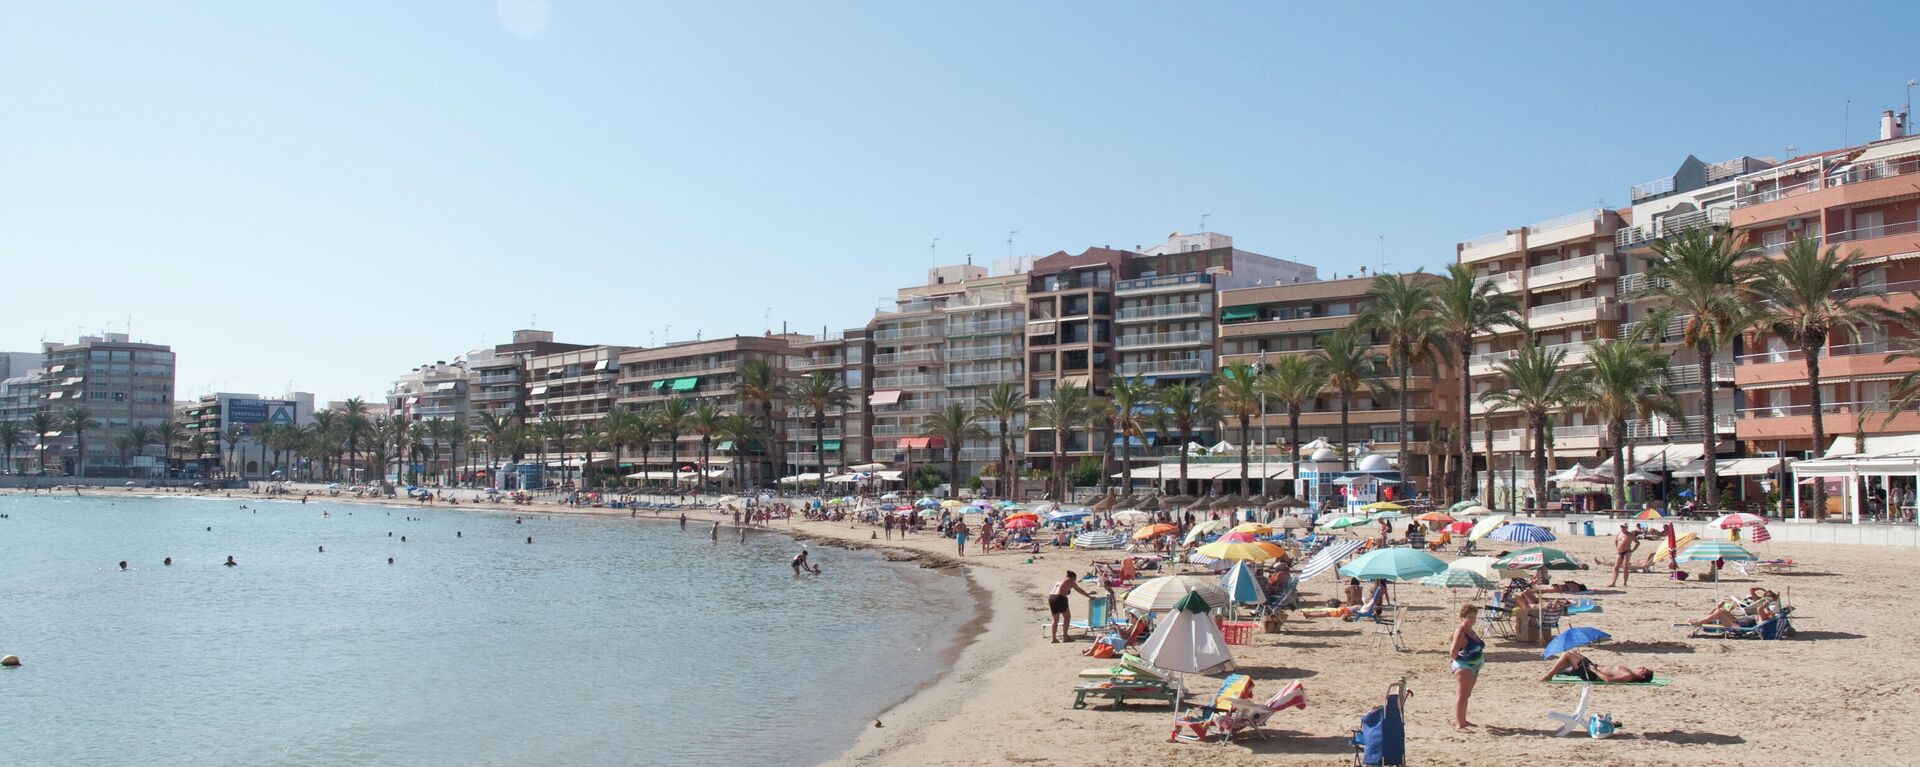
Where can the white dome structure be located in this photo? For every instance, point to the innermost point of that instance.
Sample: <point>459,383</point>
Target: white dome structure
<point>1324,455</point>
<point>1375,462</point>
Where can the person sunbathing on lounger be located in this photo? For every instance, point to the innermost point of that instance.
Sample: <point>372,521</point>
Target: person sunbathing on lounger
<point>1575,664</point>
<point>1760,606</point>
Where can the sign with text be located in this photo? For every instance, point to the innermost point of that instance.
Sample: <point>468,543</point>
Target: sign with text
<point>249,412</point>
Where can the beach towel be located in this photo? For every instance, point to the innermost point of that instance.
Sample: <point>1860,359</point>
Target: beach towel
<point>1658,681</point>
<point>1328,558</point>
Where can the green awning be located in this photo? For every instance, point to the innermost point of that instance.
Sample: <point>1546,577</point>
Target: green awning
<point>660,384</point>
<point>685,384</point>
<point>832,444</point>
<point>1238,313</point>
<point>724,445</point>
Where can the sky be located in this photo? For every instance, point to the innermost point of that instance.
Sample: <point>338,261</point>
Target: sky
<point>322,196</point>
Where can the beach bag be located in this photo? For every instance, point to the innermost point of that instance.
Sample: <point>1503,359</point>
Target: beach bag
<point>1601,726</point>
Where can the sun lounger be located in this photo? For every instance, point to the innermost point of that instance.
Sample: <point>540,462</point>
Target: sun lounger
<point>1576,720</point>
<point>1241,715</point>
<point>1121,690</point>
<point>1780,626</point>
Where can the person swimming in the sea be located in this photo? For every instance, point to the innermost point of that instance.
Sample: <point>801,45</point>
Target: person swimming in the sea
<point>230,562</point>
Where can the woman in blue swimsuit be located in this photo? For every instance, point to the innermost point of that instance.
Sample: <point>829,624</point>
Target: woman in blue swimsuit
<point>1469,654</point>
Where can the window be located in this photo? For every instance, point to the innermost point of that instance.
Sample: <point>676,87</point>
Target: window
<point>1869,224</point>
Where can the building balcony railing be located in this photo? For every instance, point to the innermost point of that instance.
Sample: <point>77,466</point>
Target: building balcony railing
<point>983,378</point>
<point>1169,282</point>
<point>1571,270</point>
<point>1682,429</point>
<point>817,363</point>
<point>985,328</point>
<point>1503,282</point>
<point>905,382</point>
<point>1794,355</point>
<point>985,352</point>
<point>896,334</point>
<point>1197,364</point>
<point>915,357</point>
<point>1754,195</point>
<point>1634,236</point>
<point>980,453</point>
<point>1879,406</point>
<point>1686,376</point>
<point>802,432</point>
<point>1870,232</point>
<point>1176,338</point>
<point>1577,310</point>
<point>1632,286</point>
<point>1164,311</point>
<point>661,371</point>
<point>497,395</point>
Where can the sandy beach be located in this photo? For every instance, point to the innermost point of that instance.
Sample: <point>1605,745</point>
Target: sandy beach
<point>1844,690</point>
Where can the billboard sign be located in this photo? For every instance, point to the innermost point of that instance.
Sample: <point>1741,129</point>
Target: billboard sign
<point>249,412</point>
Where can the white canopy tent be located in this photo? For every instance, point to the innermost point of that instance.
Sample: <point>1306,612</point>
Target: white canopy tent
<point>1881,458</point>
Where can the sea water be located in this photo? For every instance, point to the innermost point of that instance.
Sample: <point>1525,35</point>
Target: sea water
<point>606,641</point>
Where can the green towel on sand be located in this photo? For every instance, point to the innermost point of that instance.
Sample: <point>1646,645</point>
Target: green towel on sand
<point>1658,681</point>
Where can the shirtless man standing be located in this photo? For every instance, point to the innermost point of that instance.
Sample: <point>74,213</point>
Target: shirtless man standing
<point>1624,544</point>
<point>1057,604</point>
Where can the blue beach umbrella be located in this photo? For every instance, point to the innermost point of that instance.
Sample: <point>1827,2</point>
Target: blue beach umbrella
<point>926,503</point>
<point>1242,585</point>
<point>1066,514</point>
<point>1577,636</point>
<point>1393,565</point>
<point>1521,532</point>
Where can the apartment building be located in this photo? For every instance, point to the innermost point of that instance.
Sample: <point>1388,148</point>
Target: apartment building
<point>1146,313</point>
<point>1861,199</point>
<point>1263,324</point>
<point>1565,273</point>
<point>211,414</point>
<point>707,371</point>
<point>20,397</point>
<point>845,438</point>
<point>497,376</point>
<point>1695,195</point>
<point>575,385</point>
<point>120,384</point>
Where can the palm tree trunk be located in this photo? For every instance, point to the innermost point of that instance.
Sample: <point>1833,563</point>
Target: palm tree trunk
<point>646,454</point>
<point>1707,435</point>
<point>1810,349</point>
<point>1126,465</point>
<point>953,470</point>
<point>1619,463</point>
<point>1406,459</point>
<point>819,444</point>
<point>1539,462</point>
<point>1293,435</point>
<point>706,460</point>
<point>1060,456</point>
<point>1489,437</point>
<point>1346,442</point>
<point>1006,455</point>
<point>1186,438</point>
<point>1246,427</point>
<point>1465,348</point>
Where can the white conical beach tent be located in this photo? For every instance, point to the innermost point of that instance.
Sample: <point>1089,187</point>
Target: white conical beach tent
<point>1187,641</point>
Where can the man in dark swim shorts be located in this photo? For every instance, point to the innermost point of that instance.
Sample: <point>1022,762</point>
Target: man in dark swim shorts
<point>1057,604</point>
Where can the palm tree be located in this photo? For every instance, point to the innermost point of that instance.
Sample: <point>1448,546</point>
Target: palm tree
<point>1237,395</point>
<point>1465,307</point>
<point>232,436</point>
<point>587,437</point>
<point>740,429</point>
<point>1187,405</point>
<point>647,428</point>
<point>325,424</point>
<point>818,393</point>
<point>78,419</point>
<point>202,445</point>
<point>1126,397</point>
<point>1906,391</point>
<point>1535,386</point>
<point>1294,381</point>
<point>1066,410</point>
<point>42,424</point>
<point>704,422</point>
<point>12,437</point>
<point>493,431</point>
<point>168,434</point>
<point>402,439</point>
<point>355,424</point>
<point>556,432</point>
<point>1799,296</point>
<point>1002,403</point>
<point>123,446</point>
<point>759,387</point>
<point>673,420</point>
<point>954,425</point>
<point>1349,367</point>
<point>1625,378</point>
<point>1691,271</point>
<point>1400,313</point>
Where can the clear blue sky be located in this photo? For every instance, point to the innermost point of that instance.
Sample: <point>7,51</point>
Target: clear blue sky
<point>327,194</point>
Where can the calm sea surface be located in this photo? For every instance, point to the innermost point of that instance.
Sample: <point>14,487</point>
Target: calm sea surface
<point>605,642</point>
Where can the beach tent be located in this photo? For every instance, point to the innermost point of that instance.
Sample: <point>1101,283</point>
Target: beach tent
<point>1186,640</point>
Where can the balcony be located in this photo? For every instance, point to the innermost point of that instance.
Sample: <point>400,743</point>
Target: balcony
<point>1764,200</point>
<point>1681,430</point>
<point>1687,377</point>
<point>1165,311</point>
<point>1636,236</point>
<point>1484,364</point>
<point>1837,364</point>
<point>497,395</point>
<point>1171,283</point>
<point>1199,364</point>
<point>1668,335</point>
<point>899,334</point>
<point>1490,246</point>
<point>980,453</point>
<point>651,371</point>
<point>915,357</point>
<point>1575,312</point>
<point>1637,285</point>
<point>983,352</point>
<point>1795,422</point>
<point>817,363</point>
<point>983,378</point>
<point>1176,338</point>
<point>922,380</point>
<point>1568,228</point>
<point>1879,241</point>
<point>1504,282</point>
<point>1570,272</point>
<point>896,430</point>
<point>983,328</point>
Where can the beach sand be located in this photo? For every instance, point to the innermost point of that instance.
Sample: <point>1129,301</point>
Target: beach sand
<point>1845,690</point>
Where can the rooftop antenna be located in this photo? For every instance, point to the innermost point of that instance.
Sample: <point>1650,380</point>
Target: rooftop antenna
<point>1790,150</point>
<point>1383,254</point>
<point>1203,222</point>
<point>1846,125</point>
<point>933,252</point>
<point>1010,234</point>
<point>766,318</point>
<point>534,322</point>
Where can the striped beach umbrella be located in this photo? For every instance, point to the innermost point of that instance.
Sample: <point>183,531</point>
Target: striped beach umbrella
<point>1341,523</point>
<point>1521,532</point>
<point>1708,551</point>
<point>1453,578</point>
<point>1099,539</point>
<point>1234,550</point>
<point>1208,527</point>
<point>1737,519</point>
<point>1760,534</point>
<point>1161,594</point>
<point>1649,514</point>
<point>1537,557</point>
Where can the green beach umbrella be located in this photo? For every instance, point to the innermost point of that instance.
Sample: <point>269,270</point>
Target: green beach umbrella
<point>1453,578</point>
<point>1708,551</point>
<point>1535,558</point>
<point>1344,522</point>
<point>1393,565</point>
